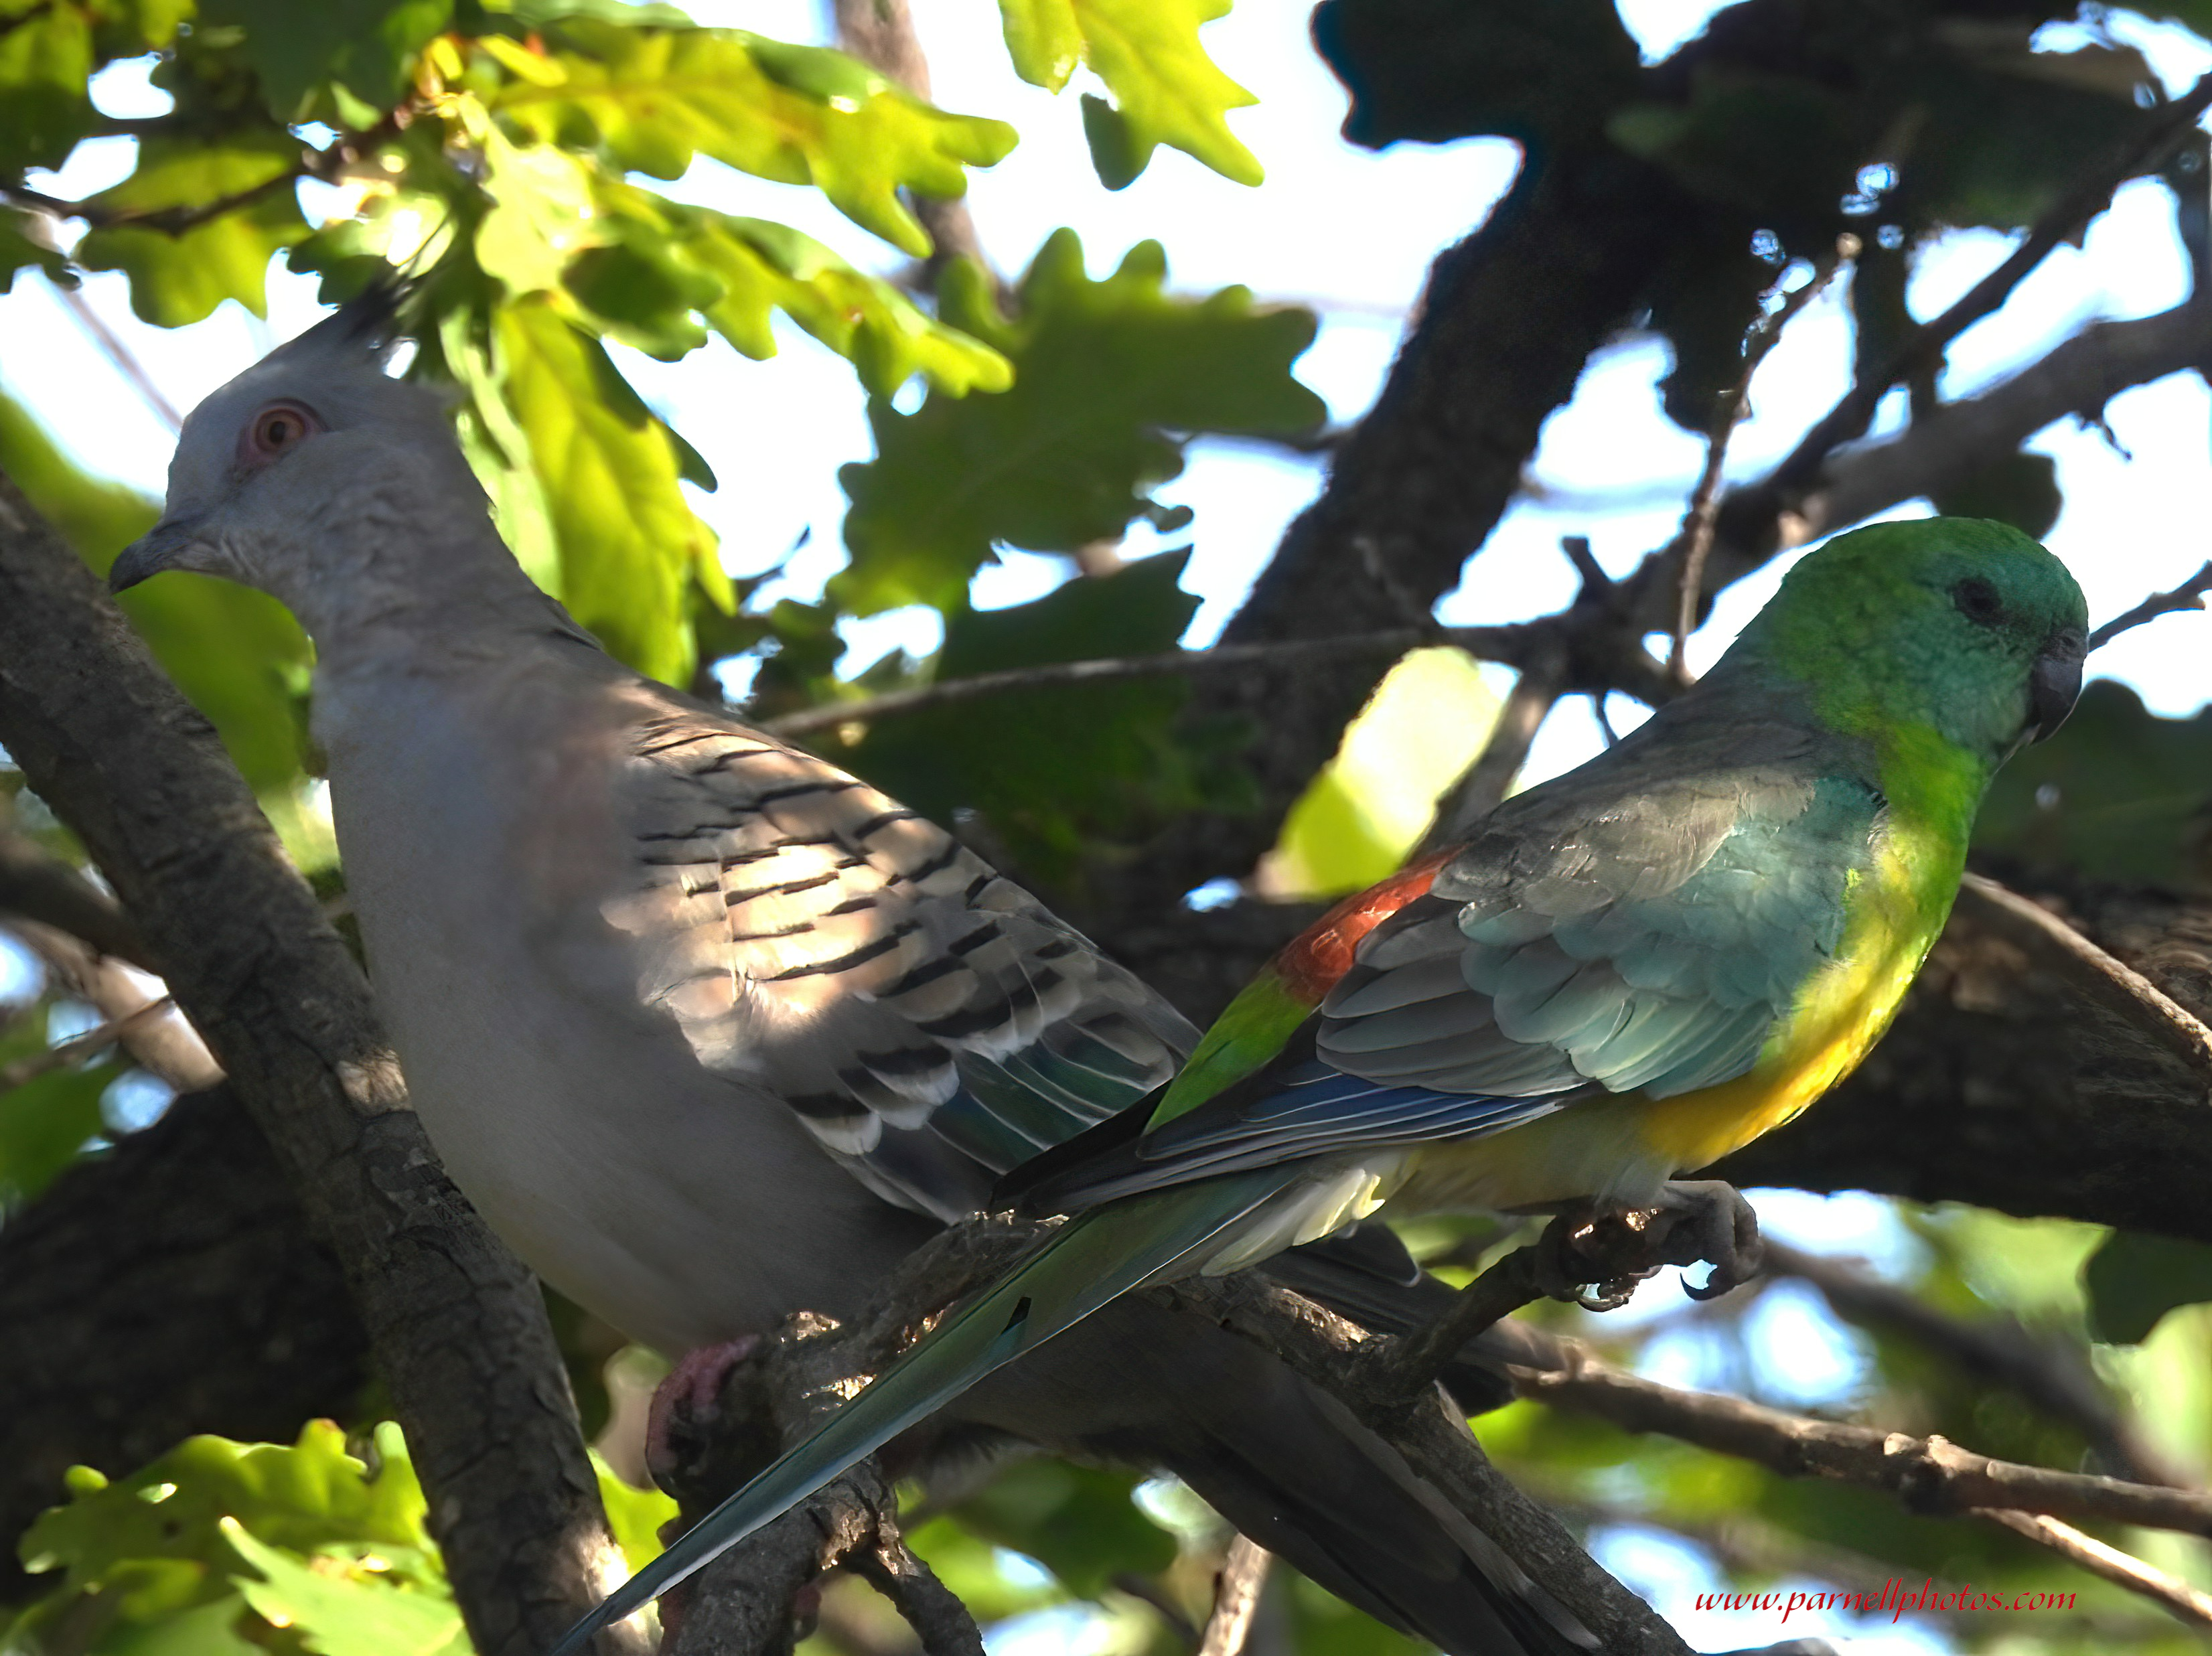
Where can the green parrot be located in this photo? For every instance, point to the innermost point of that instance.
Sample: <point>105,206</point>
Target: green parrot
<point>1633,969</point>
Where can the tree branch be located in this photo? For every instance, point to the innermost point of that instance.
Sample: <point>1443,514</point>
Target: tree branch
<point>1574,637</point>
<point>2119,987</point>
<point>458,1326</point>
<point>1235,1597</point>
<point>2189,595</point>
<point>2053,1376</point>
<point>2122,1569</point>
<point>1930,1475</point>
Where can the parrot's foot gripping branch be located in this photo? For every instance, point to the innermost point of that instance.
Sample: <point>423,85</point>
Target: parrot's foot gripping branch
<point>1593,1257</point>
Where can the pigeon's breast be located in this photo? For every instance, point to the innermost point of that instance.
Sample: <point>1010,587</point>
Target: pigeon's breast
<point>681,1205</point>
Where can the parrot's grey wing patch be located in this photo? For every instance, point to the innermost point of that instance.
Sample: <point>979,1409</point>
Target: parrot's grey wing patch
<point>931,1024</point>
<point>1648,936</point>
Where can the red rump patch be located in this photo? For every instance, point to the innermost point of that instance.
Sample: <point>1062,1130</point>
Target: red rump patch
<point>1313,961</point>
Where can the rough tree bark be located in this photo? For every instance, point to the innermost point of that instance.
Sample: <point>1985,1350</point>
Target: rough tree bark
<point>457,1325</point>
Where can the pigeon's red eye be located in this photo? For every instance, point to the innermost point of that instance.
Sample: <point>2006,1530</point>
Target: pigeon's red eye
<point>279,426</point>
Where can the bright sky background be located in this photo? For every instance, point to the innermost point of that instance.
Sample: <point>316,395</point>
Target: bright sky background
<point>1349,232</point>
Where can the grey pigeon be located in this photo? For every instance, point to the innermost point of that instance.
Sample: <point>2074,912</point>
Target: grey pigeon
<point>710,1031</point>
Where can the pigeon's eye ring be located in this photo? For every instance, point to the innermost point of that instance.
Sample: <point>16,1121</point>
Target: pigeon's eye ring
<point>276,430</point>
<point>1978,602</point>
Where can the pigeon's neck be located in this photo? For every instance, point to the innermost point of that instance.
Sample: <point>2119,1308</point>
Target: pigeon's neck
<point>411,597</point>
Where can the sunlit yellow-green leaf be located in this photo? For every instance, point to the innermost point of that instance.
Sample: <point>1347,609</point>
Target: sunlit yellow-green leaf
<point>1361,817</point>
<point>631,548</point>
<point>652,98</point>
<point>888,339</point>
<point>46,58</point>
<point>178,276</point>
<point>1166,90</point>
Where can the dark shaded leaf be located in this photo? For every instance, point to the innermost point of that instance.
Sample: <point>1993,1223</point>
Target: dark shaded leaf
<point>1079,1522</point>
<point>2135,1279</point>
<point>2020,490</point>
<point>366,45</point>
<point>2119,794</point>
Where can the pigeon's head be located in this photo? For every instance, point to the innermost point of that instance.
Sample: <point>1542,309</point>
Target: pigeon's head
<point>312,467</point>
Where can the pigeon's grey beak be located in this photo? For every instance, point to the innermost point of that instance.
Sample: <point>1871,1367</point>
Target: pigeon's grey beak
<point>157,550</point>
<point>2055,682</point>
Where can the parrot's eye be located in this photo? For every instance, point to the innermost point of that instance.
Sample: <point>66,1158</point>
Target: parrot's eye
<point>1979,601</point>
<point>274,430</point>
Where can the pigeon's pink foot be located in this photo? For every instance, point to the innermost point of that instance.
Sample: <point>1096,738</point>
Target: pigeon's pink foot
<point>690,1389</point>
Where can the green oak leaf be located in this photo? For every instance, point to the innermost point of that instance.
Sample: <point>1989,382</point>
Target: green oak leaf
<point>651,98</point>
<point>344,1612</point>
<point>1166,90</point>
<point>1079,1522</point>
<point>1110,377</point>
<point>2134,1279</point>
<point>763,266</point>
<point>365,44</point>
<point>631,550</point>
<point>46,58</point>
<point>179,277</point>
<point>44,1123</point>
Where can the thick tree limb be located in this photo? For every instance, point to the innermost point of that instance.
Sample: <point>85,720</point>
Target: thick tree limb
<point>457,1325</point>
<point>2119,987</point>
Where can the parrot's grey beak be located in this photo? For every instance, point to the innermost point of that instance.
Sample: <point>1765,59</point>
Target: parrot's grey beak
<point>2055,682</point>
<point>160,548</point>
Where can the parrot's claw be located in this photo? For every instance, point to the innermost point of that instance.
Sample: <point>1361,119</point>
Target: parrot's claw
<point>1595,1256</point>
<point>1717,1227</point>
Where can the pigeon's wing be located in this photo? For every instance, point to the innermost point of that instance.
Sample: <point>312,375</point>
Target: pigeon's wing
<point>1643,929</point>
<point>930,1023</point>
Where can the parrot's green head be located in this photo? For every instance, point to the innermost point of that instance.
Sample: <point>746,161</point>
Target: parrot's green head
<point>1958,625</point>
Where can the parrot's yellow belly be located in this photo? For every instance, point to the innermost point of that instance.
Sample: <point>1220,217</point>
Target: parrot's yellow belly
<point>1623,1146</point>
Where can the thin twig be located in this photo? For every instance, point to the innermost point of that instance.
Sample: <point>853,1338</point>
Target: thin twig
<point>63,1054</point>
<point>2189,595</point>
<point>2123,1569</point>
<point>2118,985</point>
<point>1931,1475</point>
<point>1515,645</point>
<point>1235,1597</point>
<point>170,220</point>
<point>2168,127</point>
<point>124,360</point>
<point>1694,542</point>
<point>2052,1376</point>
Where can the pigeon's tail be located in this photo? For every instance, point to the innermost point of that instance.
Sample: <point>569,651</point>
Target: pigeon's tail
<point>1085,1264</point>
<point>1290,1467</point>
<point>1284,1462</point>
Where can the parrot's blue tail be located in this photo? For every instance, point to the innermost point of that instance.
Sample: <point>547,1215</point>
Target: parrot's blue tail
<point>1089,1263</point>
